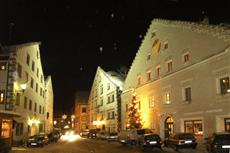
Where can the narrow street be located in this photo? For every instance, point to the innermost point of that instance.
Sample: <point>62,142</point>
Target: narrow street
<point>83,145</point>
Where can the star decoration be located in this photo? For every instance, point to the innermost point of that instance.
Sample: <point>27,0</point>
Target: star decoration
<point>112,15</point>
<point>101,49</point>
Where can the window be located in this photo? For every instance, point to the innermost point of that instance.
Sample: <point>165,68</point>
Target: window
<point>101,89</point>
<point>149,56</point>
<point>40,109</point>
<point>6,128</point>
<point>151,102</point>
<point>19,129</point>
<point>2,66</point>
<point>224,85</point>
<point>36,87</point>
<point>108,100</point>
<point>112,98</point>
<point>108,86</point>
<point>2,96</point>
<point>158,69</point>
<point>32,83</point>
<point>148,75</point>
<point>33,65</point>
<point>187,92</point>
<point>166,45</point>
<point>47,115</point>
<point>37,72</point>
<point>17,99</point>
<point>139,80</point>
<point>30,105</point>
<point>227,124</point>
<point>186,57</point>
<point>193,126</point>
<point>112,115</point>
<point>28,59</point>
<point>169,66</point>
<point>108,117</point>
<point>167,98</point>
<point>27,76</point>
<point>83,110</point>
<point>25,102</point>
<point>19,70</point>
<point>35,107</point>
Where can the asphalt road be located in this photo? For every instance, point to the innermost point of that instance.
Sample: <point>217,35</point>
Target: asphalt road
<point>83,145</point>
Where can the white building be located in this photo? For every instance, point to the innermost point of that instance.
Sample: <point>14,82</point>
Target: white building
<point>24,90</point>
<point>104,101</point>
<point>181,77</point>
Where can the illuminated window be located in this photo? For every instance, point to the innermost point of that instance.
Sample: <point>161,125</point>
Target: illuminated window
<point>158,69</point>
<point>2,96</point>
<point>224,85</point>
<point>227,124</point>
<point>193,126</point>
<point>148,75</point>
<point>6,129</point>
<point>169,66</point>
<point>19,70</point>
<point>2,66</point>
<point>167,98</point>
<point>28,59</point>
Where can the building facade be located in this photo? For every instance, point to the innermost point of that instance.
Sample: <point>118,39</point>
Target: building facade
<point>49,98</point>
<point>181,78</point>
<point>24,91</point>
<point>105,102</point>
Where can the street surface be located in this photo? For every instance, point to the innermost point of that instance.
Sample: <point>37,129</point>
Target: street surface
<point>83,145</point>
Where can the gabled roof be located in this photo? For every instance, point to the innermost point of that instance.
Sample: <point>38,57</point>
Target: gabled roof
<point>180,36</point>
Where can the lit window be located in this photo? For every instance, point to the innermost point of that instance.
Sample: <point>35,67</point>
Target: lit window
<point>227,124</point>
<point>167,98</point>
<point>193,126</point>
<point>2,66</point>
<point>169,66</point>
<point>224,85</point>
<point>2,96</point>
<point>6,128</point>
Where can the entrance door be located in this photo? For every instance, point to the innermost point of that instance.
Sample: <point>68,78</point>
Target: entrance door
<point>169,127</point>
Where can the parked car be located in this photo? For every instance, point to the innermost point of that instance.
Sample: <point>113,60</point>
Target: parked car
<point>4,146</point>
<point>218,142</point>
<point>102,135</point>
<point>149,141</point>
<point>84,133</point>
<point>93,133</point>
<point>112,136</point>
<point>132,136</point>
<point>37,141</point>
<point>181,140</point>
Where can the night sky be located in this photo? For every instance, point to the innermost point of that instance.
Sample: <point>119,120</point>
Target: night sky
<point>77,36</point>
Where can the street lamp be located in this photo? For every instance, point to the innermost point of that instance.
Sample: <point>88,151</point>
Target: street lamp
<point>23,87</point>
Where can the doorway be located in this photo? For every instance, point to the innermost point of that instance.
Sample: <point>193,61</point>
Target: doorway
<point>169,126</point>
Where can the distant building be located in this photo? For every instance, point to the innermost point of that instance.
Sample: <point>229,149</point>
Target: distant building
<point>81,111</point>
<point>181,78</point>
<point>23,89</point>
<point>105,102</point>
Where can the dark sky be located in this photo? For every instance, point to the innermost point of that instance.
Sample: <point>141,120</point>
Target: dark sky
<point>77,35</point>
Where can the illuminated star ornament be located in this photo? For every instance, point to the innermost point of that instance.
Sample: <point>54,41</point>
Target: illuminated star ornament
<point>101,49</point>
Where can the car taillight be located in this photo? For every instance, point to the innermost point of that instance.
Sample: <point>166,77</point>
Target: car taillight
<point>181,141</point>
